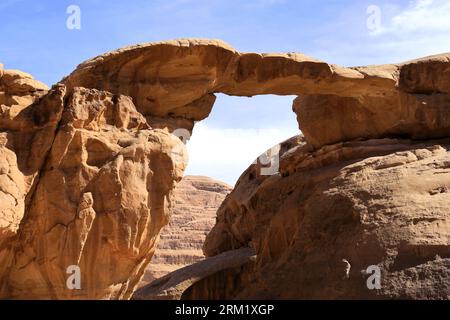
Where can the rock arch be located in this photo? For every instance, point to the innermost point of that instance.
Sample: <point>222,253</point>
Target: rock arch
<point>173,82</point>
<point>71,197</point>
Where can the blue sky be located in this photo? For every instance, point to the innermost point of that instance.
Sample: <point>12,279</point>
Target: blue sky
<point>35,39</point>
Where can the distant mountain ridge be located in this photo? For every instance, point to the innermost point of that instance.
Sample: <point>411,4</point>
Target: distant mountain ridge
<point>197,199</point>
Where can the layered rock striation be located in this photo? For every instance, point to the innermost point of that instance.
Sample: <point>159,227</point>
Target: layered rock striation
<point>196,200</point>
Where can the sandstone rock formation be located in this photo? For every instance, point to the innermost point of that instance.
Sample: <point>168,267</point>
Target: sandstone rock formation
<point>196,200</point>
<point>24,138</point>
<point>90,184</point>
<point>88,168</point>
<point>176,285</point>
<point>376,202</point>
<point>177,80</point>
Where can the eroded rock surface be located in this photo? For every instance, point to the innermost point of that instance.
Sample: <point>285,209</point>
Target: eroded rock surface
<point>177,285</point>
<point>178,79</point>
<point>196,200</point>
<point>102,195</point>
<point>381,203</point>
<point>27,125</point>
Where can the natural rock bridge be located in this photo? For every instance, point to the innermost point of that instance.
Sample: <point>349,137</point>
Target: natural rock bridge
<point>86,168</point>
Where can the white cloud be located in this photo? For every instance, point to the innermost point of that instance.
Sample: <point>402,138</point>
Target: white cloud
<point>421,29</point>
<point>422,16</point>
<point>418,29</point>
<point>225,153</point>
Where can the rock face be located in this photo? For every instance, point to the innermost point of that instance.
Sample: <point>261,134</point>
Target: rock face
<point>382,203</point>
<point>25,134</point>
<point>179,284</point>
<point>90,184</point>
<point>196,200</point>
<point>88,168</point>
<point>178,79</point>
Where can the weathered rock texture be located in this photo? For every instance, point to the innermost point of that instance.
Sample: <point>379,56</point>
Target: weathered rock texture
<point>25,136</point>
<point>178,79</point>
<point>90,183</point>
<point>196,200</point>
<point>178,284</point>
<point>87,170</point>
<point>376,202</point>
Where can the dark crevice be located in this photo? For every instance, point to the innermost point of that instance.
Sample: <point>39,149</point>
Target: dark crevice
<point>414,255</point>
<point>30,195</point>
